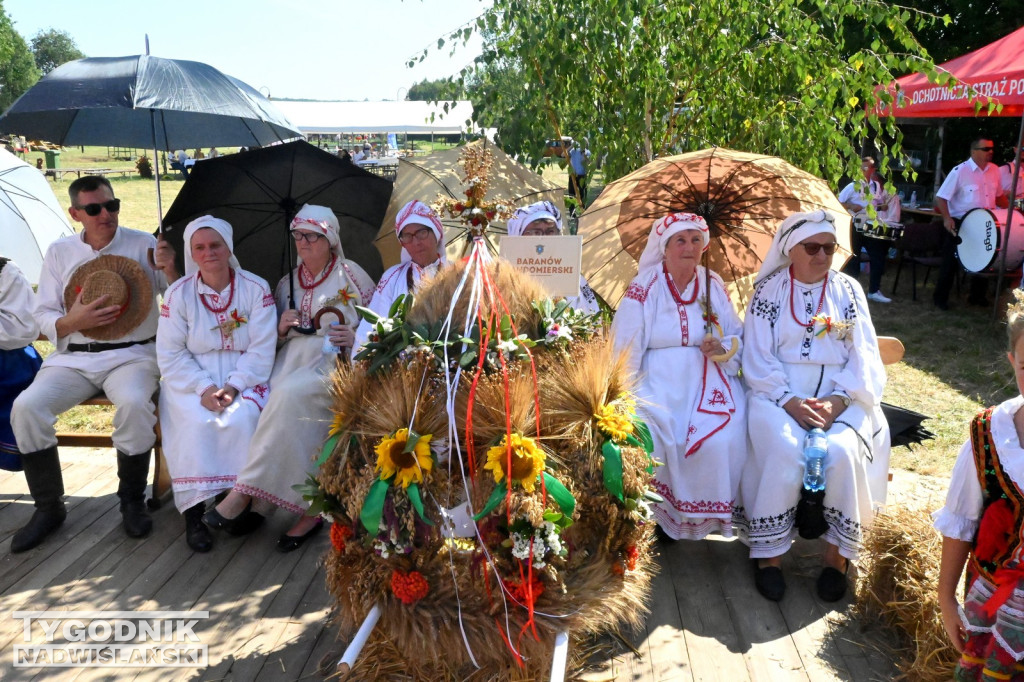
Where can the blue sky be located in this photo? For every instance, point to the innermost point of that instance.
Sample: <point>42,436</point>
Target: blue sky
<point>317,49</point>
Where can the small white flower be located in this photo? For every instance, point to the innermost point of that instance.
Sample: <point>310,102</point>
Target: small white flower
<point>385,325</point>
<point>557,331</point>
<point>507,346</point>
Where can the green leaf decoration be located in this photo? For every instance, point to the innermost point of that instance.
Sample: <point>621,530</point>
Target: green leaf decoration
<point>612,468</point>
<point>559,493</point>
<point>328,448</point>
<point>413,439</point>
<point>500,491</point>
<point>417,502</point>
<point>373,507</point>
<point>641,429</point>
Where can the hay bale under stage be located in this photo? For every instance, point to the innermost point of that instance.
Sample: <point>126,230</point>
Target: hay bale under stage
<point>899,586</point>
<point>438,593</point>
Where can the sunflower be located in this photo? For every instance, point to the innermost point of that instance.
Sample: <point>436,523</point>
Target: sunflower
<point>614,425</point>
<point>337,424</point>
<point>406,467</point>
<point>527,460</point>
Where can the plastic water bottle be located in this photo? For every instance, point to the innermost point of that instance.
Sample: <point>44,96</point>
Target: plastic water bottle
<point>815,449</point>
<point>913,200</point>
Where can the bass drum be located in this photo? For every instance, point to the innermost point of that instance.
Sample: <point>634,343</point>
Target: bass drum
<point>981,245</point>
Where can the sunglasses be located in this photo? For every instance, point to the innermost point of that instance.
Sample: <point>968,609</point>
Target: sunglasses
<point>308,237</point>
<point>812,249</point>
<point>984,149</point>
<point>417,236</point>
<point>112,206</point>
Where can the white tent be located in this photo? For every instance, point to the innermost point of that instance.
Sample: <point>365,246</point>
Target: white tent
<point>331,118</point>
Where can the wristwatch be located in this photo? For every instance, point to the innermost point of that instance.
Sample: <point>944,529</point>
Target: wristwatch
<point>845,398</point>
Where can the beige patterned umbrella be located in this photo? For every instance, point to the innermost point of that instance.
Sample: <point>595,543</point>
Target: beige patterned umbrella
<point>440,174</point>
<point>743,197</point>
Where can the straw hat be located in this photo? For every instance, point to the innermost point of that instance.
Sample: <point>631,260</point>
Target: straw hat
<point>124,281</point>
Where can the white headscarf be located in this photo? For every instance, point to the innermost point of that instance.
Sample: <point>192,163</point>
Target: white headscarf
<point>792,231</point>
<point>321,220</point>
<point>542,210</point>
<point>222,227</point>
<point>662,230</point>
<point>418,213</point>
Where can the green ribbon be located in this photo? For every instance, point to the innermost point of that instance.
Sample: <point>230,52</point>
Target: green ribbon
<point>329,446</point>
<point>644,432</point>
<point>493,501</point>
<point>612,468</point>
<point>373,507</point>
<point>559,493</point>
<point>417,502</point>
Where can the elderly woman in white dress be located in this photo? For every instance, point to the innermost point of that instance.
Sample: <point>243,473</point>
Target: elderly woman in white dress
<point>810,359</point>
<point>215,347</point>
<point>297,418</point>
<point>421,235</point>
<point>543,219</point>
<point>691,397</point>
<point>19,361</point>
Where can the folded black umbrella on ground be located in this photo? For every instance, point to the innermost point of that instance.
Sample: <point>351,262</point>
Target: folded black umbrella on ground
<point>905,425</point>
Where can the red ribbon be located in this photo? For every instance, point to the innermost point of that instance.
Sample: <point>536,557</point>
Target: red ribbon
<point>1005,579</point>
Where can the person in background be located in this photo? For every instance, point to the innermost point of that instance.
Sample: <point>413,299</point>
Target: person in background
<point>97,347</point>
<point>579,159</point>
<point>214,153</point>
<point>543,219</point>
<point>19,361</point>
<point>1006,174</point>
<point>972,184</point>
<point>982,526</point>
<point>855,198</point>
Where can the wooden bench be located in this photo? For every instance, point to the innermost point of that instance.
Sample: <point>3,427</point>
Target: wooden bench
<point>161,478</point>
<point>59,173</point>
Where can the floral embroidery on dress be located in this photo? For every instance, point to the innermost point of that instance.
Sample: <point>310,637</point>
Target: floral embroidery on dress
<point>234,321</point>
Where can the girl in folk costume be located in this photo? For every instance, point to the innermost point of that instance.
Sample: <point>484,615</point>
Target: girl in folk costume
<point>543,219</point>
<point>297,417</point>
<point>421,235</point>
<point>693,403</point>
<point>19,361</point>
<point>810,360</point>
<point>982,525</point>
<point>215,347</point>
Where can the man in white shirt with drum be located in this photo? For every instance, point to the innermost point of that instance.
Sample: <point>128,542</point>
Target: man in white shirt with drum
<point>974,183</point>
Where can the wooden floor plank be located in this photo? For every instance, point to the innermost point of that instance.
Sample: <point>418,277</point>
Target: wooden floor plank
<point>666,643</point>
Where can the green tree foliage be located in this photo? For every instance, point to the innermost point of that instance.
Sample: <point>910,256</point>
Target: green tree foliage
<point>436,90</point>
<point>18,70</point>
<point>972,25</point>
<point>52,48</point>
<point>647,78</point>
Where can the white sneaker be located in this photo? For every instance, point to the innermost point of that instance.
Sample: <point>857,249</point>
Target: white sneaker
<point>879,297</point>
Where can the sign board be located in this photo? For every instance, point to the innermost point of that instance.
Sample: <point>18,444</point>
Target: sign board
<point>553,261</point>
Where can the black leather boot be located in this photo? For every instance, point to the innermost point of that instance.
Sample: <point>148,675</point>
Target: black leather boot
<point>132,474</point>
<point>197,535</point>
<point>46,484</point>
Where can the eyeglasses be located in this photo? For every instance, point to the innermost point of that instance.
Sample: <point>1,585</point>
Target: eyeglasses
<point>112,206</point>
<point>812,249</point>
<point>417,236</point>
<point>308,237</point>
<point>984,149</point>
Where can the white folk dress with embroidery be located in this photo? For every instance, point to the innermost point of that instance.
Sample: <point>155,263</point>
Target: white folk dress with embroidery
<point>297,418</point>
<point>694,408</point>
<point>783,357</point>
<point>197,348</point>
<point>394,283</point>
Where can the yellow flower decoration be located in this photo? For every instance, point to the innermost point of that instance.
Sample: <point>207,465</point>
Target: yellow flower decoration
<point>406,467</point>
<point>527,461</point>
<point>614,424</point>
<point>336,425</point>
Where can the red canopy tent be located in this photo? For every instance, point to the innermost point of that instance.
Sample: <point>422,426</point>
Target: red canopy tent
<point>991,74</point>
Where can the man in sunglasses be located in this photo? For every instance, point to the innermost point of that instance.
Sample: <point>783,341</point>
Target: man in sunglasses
<point>124,368</point>
<point>973,184</point>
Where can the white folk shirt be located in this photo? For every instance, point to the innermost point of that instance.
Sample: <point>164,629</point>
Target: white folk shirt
<point>862,193</point>
<point>17,326</point>
<point>1006,178</point>
<point>967,186</point>
<point>61,260</point>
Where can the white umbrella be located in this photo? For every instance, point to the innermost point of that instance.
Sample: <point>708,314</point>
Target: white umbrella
<point>30,217</point>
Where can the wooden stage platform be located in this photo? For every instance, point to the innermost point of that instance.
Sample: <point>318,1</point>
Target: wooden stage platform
<point>269,613</point>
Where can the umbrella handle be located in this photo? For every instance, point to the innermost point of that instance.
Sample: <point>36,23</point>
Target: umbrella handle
<point>343,351</point>
<point>727,355</point>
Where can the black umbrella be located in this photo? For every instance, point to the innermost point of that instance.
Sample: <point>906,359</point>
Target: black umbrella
<point>260,191</point>
<point>905,426</point>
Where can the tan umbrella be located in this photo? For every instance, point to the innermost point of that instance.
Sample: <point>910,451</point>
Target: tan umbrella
<point>743,197</point>
<point>440,175</point>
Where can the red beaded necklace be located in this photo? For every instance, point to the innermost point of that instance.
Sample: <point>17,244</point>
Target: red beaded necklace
<point>327,271</point>
<point>675,292</point>
<point>231,297</point>
<point>792,309</point>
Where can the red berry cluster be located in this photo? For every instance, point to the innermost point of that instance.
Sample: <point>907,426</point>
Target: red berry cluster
<point>409,587</point>
<point>518,590</point>
<point>339,534</point>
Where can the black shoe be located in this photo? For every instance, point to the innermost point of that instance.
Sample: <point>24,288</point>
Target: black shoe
<point>243,524</point>
<point>196,534</point>
<point>832,583</point>
<point>46,484</point>
<point>289,543</point>
<point>132,472</point>
<point>770,582</point>
<point>42,523</point>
